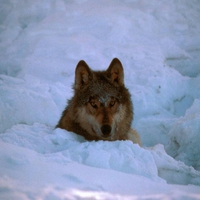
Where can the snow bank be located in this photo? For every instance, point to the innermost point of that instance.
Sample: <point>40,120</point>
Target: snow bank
<point>28,101</point>
<point>26,174</point>
<point>185,137</point>
<point>119,156</point>
<point>41,162</point>
<point>158,45</point>
<point>172,171</point>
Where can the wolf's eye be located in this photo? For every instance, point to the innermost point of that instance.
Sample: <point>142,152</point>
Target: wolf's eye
<point>112,103</point>
<point>93,104</point>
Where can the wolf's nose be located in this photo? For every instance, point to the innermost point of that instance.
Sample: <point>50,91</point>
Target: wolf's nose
<point>106,129</point>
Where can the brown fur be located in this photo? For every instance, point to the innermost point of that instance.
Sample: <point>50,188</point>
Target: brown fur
<point>101,108</point>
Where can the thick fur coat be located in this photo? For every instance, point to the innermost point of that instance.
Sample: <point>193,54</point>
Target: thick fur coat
<point>101,108</point>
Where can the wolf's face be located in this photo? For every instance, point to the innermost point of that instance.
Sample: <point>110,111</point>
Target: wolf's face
<point>102,114</point>
<point>101,117</point>
<point>101,108</point>
<point>103,101</point>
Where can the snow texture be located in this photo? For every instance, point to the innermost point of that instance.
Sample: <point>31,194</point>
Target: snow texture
<point>158,44</point>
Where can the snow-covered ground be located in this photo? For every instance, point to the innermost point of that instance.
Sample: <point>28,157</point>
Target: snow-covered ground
<point>158,43</point>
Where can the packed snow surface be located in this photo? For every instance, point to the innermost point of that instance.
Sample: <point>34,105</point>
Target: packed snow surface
<point>158,43</point>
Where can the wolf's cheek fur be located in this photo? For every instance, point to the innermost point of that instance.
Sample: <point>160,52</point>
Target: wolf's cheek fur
<point>88,122</point>
<point>120,114</point>
<point>118,120</point>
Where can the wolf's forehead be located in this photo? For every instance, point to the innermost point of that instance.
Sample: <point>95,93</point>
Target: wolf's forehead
<point>103,94</point>
<point>104,99</point>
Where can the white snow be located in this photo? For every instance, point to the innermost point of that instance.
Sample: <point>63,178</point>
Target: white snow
<point>158,44</point>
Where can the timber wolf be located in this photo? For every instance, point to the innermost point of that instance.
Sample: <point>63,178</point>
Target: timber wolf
<point>101,108</point>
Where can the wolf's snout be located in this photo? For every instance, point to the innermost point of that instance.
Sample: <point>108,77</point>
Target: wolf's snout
<point>106,129</point>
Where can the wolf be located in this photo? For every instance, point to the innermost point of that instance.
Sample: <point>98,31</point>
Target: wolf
<point>101,108</point>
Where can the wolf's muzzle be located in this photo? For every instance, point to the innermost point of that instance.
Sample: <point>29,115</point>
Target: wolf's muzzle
<point>106,129</point>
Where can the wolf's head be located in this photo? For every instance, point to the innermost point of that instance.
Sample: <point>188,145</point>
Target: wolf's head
<point>103,105</point>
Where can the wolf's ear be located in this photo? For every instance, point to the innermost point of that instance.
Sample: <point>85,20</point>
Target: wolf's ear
<point>116,72</point>
<point>82,74</point>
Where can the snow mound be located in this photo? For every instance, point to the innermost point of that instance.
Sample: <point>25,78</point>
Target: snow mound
<point>185,137</point>
<point>53,176</point>
<point>122,156</point>
<point>28,101</point>
<point>175,172</point>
